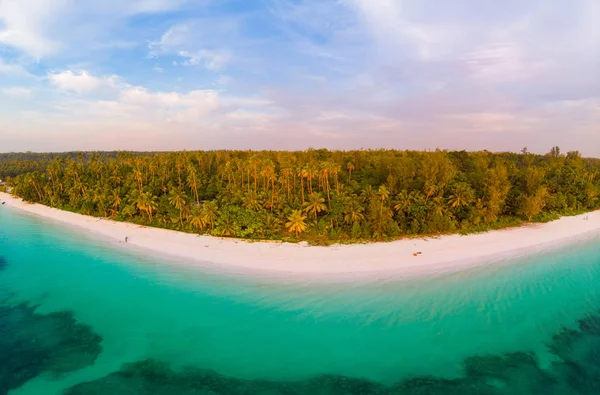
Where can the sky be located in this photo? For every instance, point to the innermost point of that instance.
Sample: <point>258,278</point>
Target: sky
<point>294,74</point>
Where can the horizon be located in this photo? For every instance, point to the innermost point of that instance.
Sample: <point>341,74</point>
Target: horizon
<point>520,152</point>
<point>174,75</point>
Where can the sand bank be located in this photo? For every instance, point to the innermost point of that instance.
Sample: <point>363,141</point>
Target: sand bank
<point>438,255</point>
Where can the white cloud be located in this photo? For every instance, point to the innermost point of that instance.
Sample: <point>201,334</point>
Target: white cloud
<point>170,105</point>
<point>11,69</point>
<point>174,37</point>
<point>129,103</point>
<point>17,92</point>
<point>81,82</point>
<point>185,41</point>
<point>224,80</point>
<point>146,116</point>
<point>41,28</point>
<point>389,24</point>
<point>24,24</point>
<point>212,60</point>
<point>503,61</point>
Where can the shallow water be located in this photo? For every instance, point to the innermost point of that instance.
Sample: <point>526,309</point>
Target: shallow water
<point>116,306</point>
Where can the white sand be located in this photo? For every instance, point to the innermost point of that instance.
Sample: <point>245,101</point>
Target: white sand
<point>438,255</point>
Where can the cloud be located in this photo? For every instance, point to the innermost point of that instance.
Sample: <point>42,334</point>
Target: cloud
<point>195,48</point>
<point>212,60</point>
<point>24,24</point>
<point>388,22</point>
<point>81,82</point>
<point>17,92</point>
<point>342,73</point>
<point>174,37</point>
<point>122,102</point>
<point>503,61</point>
<point>169,106</point>
<point>42,28</point>
<point>12,69</point>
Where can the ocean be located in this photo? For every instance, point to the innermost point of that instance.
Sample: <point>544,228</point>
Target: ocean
<point>81,315</point>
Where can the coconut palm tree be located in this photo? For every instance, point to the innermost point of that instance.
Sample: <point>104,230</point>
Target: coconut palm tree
<point>252,202</point>
<point>146,202</point>
<point>303,173</point>
<point>198,220</point>
<point>296,222</point>
<point>210,210</point>
<point>462,195</point>
<point>192,182</point>
<point>350,167</point>
<point>226,226</point>
<point>368,193</point>
<point>384,195</point>
<point>403,201</point>
<point>178,200</point>
<point>315,204</point>
<point>271,224</point>
<point>116,199</point>
<point>354,213</point>
<point>430,190</point>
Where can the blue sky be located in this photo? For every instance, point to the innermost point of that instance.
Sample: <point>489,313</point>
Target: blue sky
<point>293,74</point>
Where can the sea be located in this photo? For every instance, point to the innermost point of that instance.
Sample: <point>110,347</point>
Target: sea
<point>81,315</point>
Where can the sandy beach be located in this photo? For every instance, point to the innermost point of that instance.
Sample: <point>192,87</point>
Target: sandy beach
<point>437,255</point>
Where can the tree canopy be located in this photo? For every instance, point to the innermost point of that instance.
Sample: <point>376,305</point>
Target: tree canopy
<point>316,195</point>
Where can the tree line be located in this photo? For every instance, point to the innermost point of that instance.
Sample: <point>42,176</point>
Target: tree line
<point>316,195</point>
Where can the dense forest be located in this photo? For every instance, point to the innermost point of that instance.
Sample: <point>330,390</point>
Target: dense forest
<point>15,163</point>
<point>316,195</point>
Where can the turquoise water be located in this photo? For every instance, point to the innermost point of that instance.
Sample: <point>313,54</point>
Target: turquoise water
<point>79,315</point>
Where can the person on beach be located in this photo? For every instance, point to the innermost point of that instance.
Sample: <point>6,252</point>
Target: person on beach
<point>126,239</point>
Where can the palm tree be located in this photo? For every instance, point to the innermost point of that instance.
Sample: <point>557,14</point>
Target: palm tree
<point>315,204</point>
<point>403,201</point>
<point>198,220</point>
<point>430,190</point>
<point>438,206</point>
<point>462,195</point>
<point>99,197</point>
<point>271,224</point>
<point>138,176</point>
<point>296,222</point>
<point>226,226</point>
<point>116,199</point>
<point>335,170</point>
<point>192,182</point>
<point>178,200</point>
<point>354,213</point>
<point>384,195</point>
<point>146,202</point>
<point>313,171</point>
<point>302,173</point>
<point>251,202</point>
<point>350,168</point>
<point>325,169</point>
<point>367,193</point>
<point>210,210</point>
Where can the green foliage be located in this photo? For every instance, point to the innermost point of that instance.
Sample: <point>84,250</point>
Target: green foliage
<point>316,195</point>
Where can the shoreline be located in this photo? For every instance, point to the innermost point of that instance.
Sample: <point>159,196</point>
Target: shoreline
<point>440,255</point>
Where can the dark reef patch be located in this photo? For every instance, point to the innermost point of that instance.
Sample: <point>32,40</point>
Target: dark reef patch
<point>32,343</point>
<point>576,372</point>
<point>3,263</point>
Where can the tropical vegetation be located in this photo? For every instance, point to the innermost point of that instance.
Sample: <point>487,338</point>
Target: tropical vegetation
<point>316,195</point>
